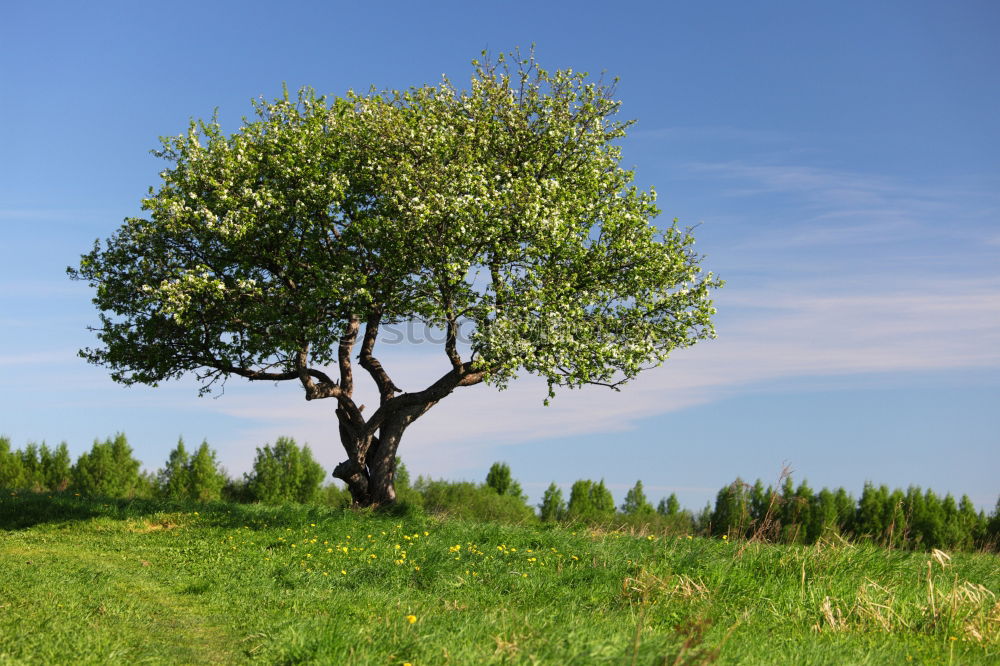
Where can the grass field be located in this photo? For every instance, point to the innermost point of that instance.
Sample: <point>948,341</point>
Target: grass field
<point>85,581</point>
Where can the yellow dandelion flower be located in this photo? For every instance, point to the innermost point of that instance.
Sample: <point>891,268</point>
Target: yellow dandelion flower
<point>411,618</point>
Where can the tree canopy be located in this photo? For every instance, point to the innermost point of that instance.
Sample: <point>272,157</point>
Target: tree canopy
<point>499,210</point>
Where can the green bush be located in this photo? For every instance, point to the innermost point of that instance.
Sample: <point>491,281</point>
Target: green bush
<point>589,501</point>
<point>464,499</point>
<point>191,477</point>
<point>56,467</point>
<point>553,507</point>
<point>500,480</point>
<point>284,473</point>
<point>172,480</point>
<point>11,467</point>
<point>109,470</point>
<point>205,479</point>
<point>636,503</point>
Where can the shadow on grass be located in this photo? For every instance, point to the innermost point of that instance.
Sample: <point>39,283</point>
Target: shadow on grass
<point>22,510</point>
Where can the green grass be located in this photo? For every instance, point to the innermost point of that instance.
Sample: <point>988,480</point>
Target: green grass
<point>86,581</point>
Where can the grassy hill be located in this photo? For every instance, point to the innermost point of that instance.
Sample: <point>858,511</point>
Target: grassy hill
<point>90,581</point>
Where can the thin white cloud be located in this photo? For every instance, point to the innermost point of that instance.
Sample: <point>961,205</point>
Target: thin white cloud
<point>790,324</point>
<point>826,186</point>
<point>782,333</point>
<point>821,205</point>
<point>37,358</point>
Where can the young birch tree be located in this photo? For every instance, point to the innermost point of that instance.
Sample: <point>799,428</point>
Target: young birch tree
<point>499,211</point>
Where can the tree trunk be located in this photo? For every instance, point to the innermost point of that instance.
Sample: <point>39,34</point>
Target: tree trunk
<point>370,470</point>
<point>382,462</point>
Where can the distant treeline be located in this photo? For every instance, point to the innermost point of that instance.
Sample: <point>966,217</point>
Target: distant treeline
<point>284,472</point>
<point>281,473</point>
<point>912,519</point>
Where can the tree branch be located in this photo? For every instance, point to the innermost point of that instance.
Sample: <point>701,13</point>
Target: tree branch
<point>464,376</point>
<point>386,387</point>
<point>344,355</point>
<point>450,347</point>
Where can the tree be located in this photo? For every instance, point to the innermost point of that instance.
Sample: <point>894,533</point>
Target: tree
<point>823,516</point>
<point>873,513</point>
<point>11,467</point>
<point>636,503</point>
<point>761,502</point>
<point>205,479</point>
<point>603,501</point>
<point>670,506</point>
<point>732,512</point>
<point>108,469</point>
<point>173,479</point>
<point>973,524</point>
<point>846,510</point>
<point>500,480</point>
<point>992,525</point>
<point>553,507</point>
<point>284,473</point>
<point>933,527</point>
<point>498,216</point>
<point>590,501</point>
<point>56,467</point>
<point>31,468</point>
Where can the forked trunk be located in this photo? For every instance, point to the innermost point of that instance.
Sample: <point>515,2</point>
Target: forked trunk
<point>382,461</point>
<point>370,470</point>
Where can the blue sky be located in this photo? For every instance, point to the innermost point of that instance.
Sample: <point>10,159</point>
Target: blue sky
<point>840,159</point>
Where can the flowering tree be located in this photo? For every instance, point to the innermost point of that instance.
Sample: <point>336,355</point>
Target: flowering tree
<point>277,253</point>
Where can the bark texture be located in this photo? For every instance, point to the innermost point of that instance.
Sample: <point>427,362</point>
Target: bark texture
<point>372,444</point>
